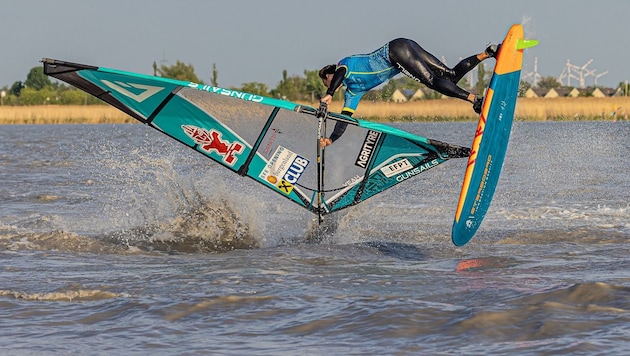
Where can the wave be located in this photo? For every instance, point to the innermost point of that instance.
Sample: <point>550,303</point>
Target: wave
<point>187,310</point>
<point>551,313</point>
<point>582,235</point>
<point>69,296</point>
<point>214,227</point>
<point>207,226</point>
<point>599,215</point>
<point>57,240</point>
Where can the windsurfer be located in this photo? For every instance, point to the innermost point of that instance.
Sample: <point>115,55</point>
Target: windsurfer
<point>362,72</point>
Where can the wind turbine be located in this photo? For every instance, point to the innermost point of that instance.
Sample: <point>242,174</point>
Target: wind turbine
<point>535,76</point>
<point>600,75</point>
<point>582,72</point>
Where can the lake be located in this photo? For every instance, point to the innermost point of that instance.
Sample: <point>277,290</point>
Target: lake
<point>116,240</point>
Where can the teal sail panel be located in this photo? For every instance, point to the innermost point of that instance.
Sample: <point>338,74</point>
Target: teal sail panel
<point>272,141</point>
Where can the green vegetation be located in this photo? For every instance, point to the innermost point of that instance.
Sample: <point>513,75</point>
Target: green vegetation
<point>38,89</point>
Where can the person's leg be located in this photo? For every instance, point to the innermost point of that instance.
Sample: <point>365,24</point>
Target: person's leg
<point>418,64</point>
<point>467,64</point>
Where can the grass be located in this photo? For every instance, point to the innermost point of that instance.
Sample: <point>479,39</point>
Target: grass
<point>527,109</point>
<point>63,114</point>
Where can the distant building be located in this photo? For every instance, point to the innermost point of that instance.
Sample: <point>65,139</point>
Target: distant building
<point>404,95</point>
<point>577,92</point>
<point>603,92</point>
<point>564,92</point>
<point>401,96</point>
<point>535,92</point>
<point>557,93</point>
<point>420,94</point>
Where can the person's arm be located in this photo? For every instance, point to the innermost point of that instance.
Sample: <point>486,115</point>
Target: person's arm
<point>337,80</point>
<point>335,83</point>
<point>340,128</point>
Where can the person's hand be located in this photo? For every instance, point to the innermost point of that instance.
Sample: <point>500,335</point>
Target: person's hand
<point>324,141</point>
<point>327,99</point>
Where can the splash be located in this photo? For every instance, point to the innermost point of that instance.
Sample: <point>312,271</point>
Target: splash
<point>529,26</point>
<point>318,232</point>
<point>205,226</point>
<point>175,204</point>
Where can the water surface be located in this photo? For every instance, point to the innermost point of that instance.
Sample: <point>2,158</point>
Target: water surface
<point>115,240</point>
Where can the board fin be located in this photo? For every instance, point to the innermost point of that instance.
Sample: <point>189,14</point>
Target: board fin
<point>523,44</point>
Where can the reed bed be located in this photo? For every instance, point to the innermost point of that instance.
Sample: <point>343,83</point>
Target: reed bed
<point>582,108</point>
<point>527,109</point>
<point>63,114</point>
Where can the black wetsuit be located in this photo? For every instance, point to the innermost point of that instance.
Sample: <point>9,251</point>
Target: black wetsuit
<point>360,73</point>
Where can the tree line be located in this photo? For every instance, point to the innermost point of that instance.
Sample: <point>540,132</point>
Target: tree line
<point>38,89</point>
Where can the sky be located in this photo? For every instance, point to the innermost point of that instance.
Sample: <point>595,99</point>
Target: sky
<point>255,41</point>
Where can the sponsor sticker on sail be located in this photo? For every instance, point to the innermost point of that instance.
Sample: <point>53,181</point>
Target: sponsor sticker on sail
<point>210,141</point>
<point>367,149</point>
<point>284,169</point>
<point>396,168</point>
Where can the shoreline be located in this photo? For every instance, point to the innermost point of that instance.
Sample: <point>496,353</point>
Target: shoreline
<point>437,110</point>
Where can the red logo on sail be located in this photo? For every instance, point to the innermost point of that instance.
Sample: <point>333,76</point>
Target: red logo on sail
<point>210,141</point>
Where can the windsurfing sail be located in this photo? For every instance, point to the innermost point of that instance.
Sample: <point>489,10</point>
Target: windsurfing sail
<point>491,137</point>
<point>272,141</point>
